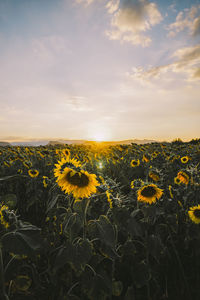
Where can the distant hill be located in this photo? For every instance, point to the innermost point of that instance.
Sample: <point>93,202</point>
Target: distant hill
<point>84,142</point>
<point>3,144</point>
<point>35,143</point>
<point>69,142</point>
<point>30,143</point>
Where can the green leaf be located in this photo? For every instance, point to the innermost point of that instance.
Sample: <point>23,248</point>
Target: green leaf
<point>25,241</point>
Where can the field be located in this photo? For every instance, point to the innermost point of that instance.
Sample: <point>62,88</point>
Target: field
<point>100,222</point>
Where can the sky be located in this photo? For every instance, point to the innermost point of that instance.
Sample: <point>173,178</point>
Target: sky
<point>99,69</point>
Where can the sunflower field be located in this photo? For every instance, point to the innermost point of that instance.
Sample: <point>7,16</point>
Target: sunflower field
<point>100,222</point>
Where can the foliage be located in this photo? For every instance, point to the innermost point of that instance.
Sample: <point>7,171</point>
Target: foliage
<point>107,244</point>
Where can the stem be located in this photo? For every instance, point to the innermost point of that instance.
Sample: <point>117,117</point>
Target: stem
<point>2,284</point>
<point>147,258</point>
<point>84,218</point>
<point>180,265</point>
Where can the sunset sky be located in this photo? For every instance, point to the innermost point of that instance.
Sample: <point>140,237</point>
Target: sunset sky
<point>99,69</point>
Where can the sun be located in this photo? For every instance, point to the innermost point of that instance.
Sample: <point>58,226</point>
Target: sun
<point>99,137</point>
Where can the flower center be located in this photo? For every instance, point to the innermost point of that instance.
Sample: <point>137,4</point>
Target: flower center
<point>148,191</point>
<point>78,179</point>
<point>33,172</point>
<point>197,213</point>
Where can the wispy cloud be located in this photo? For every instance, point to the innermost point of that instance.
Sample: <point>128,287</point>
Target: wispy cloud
<point>187,62</point>
<point>130,19</point>
<point>188,19</point>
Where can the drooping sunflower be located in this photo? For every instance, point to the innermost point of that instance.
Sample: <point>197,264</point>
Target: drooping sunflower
<point>184,178</point>
<point>154,176</point>
<point>33,173</point>
<point>184,159</point>
<point>145,158</point>
<point>149,193</point>
<point>194,214</point>
<point>79,183</point>
<point>66,162</point>
<point>135,163</point>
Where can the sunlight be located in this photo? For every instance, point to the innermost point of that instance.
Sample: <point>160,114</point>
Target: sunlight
<point>98,132</point>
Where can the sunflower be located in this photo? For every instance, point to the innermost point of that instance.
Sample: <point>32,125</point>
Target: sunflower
<point>80,183</point>
<point>67,163</point>
<point>149,193</point>
<point>184,159</point>
<point>108,194</point>
<point>66,152</point>
<point>177,180</point>
<point>45,181</point>
<point>145,158</point>
<point>135,163</point>
<point>3,216</point>
<point>33,173</point>
<point>184,178</point>
<point>154,154</point>
<point>154,176</point>
<point>194,214</point>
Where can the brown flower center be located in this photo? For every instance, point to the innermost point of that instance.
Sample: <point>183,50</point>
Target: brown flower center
<point>78,179</point>
<point>148,191</point>
<point>33,172</point>
<point>196,213</point>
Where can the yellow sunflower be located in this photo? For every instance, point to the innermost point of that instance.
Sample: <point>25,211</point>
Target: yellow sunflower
<point>65,162</point>
<point>45,181</point>
<point>135,163</point>
<point>184,159</point>
<point>154,176</point>
<point>3,217</point>
<point>79,183</point>
<point>145,158</point>
<point>177,180</point>
<point>184,178</point>
<point>149,193</point>
<point>66,152</point>
<point>33,173</point>
<point>154,154</point>
<point>194,214</point>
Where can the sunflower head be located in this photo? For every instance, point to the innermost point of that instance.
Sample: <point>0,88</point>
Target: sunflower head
<point>183,177</point>
<point>194,214</point>
<point>177,180</point>
<point>4,220</point>
<point>154,176</point>
<point>79,183</point>
<point>135,163</point>
<point>145,158</point>
<point>149,193</point>
<point>33,173</point>
<point>184,159</point>
<point>66,152</point>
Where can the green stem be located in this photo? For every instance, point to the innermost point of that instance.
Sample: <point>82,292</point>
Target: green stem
<point>147,259</point>
<point>180,265</point>
<point>2,284</point>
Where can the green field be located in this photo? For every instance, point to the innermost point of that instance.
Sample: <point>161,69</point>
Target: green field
<point>100,222</point>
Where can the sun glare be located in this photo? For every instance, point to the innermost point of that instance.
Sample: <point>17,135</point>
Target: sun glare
<point>99,137</point>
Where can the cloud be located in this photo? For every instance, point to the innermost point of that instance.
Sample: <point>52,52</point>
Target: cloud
<point>186,20</point>
<point>187,63</point>
<point>112,6</point>
<point>130,19</point>
<point>86,2</point>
